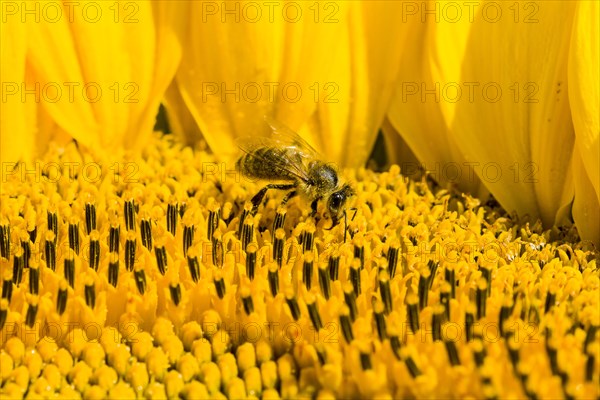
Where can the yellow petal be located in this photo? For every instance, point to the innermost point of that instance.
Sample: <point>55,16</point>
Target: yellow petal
<point>364,70</point>
<point>232,62</point>
<point>586,207</point>
<point>518,126</point>
<point>327,75</point>
<point>15,138</point>
<point>584,87</point>
<point>117,63</point>
<point>419,112</point>
<point>55,64</point>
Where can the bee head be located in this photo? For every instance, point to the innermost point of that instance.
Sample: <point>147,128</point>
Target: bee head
<point>336,203</point>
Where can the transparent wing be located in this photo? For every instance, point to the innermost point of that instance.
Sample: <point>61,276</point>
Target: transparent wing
<point>289,157</point>
<point>287,137</point>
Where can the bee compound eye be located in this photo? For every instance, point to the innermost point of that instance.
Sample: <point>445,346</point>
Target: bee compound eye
<point>335,201</point>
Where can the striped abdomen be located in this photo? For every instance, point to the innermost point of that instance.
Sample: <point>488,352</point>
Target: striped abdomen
<point>270,163</point>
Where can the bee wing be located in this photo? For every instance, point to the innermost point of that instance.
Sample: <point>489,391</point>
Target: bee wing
<point>290,160</point>
<point>287,137</point>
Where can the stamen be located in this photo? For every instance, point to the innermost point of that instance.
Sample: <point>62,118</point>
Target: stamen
<point>214,214</point>
<point>273,277</point>
<point>308,239</point>
<point>247,233</point>
<point>32,310</point>
<point>392,259</point>
<point>481,297</point>
<point>424,277</point>
<point>469,322</point>
<point>247,300</point>
<point>365,361</point>
<point>52,219</point>
<point>5,241</point>
<point>334,266</point>
<point>34,278</point>
<point>94,250</point>
<point>18,265</point>
<point>479,352</point>
<point>355,276</point>
<point>412,310</point>
<point>3,312</point>
<point>396,346</point>
<point>292,303</point>
<point>278,246</point>
<point>26,251</point>
<point>505,311</point>
<point>589,367</point>
<point>313,312</point>
<point>487,275</point>
<point>181,208</point>
<point>433,266</point>
<point>251,260</point>
<point>350,299</point>
<point>378,314</point>
<point>172,218</point>
<point>385,291</point>
<point>74,235</point>
<point>590,335</point>
<point>139,275</point>
<point>219,284</point>
<point>307,270</point>
<point>161,259</point>
<point>346,324</point>
<point>218,252</point>
<point>245,212</point>
<point>130,249</point>
<point>279,218</point>
<point>113,239</point>
<point>452,353</point>
<point>146,231</point>
<point>175,291</point>
<point>436,322</point>
<point>450,278</point>
<point>50,250</point>
<point>359,251</point>
<point>69,269</point>
<point>61,298</point>
<point>412,367</point>
<point>7,285</point>
<point>129,212</point>
<point>90,217</point>
<point>445,299</point>
<point>188,238</point>
<point>550,299</point>
<point>324,281</point>
<point>194,266</point>
<point>90,292</point>
<point>113,269</point>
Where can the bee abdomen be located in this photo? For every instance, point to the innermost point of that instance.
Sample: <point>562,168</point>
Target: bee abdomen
<point>268,164</point>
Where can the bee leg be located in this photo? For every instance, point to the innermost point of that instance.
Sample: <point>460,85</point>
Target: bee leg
<point>288,196</point>
<point>258,197</point>
<point>313,207</point>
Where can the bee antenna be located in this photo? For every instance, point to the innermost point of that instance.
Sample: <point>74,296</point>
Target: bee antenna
<point>345,225</point>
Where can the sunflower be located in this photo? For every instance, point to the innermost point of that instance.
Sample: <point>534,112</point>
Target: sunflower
<point>134,264</point>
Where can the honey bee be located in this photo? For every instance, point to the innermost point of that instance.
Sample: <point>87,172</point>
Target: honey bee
<point>286,158</point>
